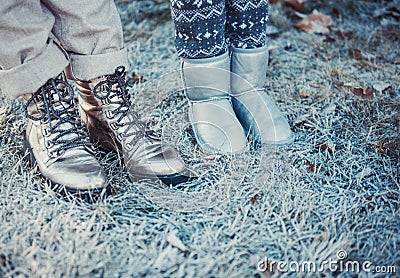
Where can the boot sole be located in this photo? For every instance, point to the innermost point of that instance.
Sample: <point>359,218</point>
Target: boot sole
<point>174,180</point>
<point>61,190</point>
<point>287,141</point>
<point>169,180</point>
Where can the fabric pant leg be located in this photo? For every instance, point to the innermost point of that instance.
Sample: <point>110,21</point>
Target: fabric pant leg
<point>199,28</point>
<point>246,23</point>
<point>28,57</point>
<point>91,33</point>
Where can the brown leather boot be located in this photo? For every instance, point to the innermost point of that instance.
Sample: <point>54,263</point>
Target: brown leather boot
<point>55,140</point>
<point>111,121</point>
<point>257,112</point>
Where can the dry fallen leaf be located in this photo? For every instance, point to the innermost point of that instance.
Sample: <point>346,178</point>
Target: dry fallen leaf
<point>344,34</point>
<point>392,8</point>
<point>304,94</point>
<point>327,146</point>
<point>336,12</point>
<point>361,55</point>
<point>136,78</point>
<point>363,93</point>
<point>315,23</point>
<point>311,167</point>
<point>254,199</point>
<point>390,147</point>
<point>357,54</point>
<point>299,5</point>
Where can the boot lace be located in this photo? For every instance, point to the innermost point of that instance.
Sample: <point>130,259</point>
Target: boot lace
<point>56,106</point>
<point>113,90</point>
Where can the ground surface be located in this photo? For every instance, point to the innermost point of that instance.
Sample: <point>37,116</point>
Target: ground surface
<point>336,188</point>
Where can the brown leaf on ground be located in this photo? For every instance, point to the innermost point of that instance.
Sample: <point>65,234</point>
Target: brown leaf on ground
<point>357,54</point>
<point>391,8</point>
<point>344,34</point>
<point>311,167</point>
<point>336,12</point>
<point>304,94</point>
<point>361,55</point>
<point>299,5</point>
<point>363,93</point>
<point>136,78</point>
<point>254,199</point>
<point>389,147</point>
<point>315,23</point>
<point>328,146</point>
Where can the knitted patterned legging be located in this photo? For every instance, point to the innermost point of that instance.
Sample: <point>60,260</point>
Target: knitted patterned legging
<point>205,28</point>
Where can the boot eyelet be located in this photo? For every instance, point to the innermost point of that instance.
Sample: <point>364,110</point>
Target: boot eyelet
<point>48,144</point>
<point>46,132</point>
<point>119,137</point>
<point>128,146</point>
<point>105,101</point>
<point>109,114</point>
<point>114,126</point>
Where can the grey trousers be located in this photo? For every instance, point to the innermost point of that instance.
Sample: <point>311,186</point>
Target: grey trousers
<point>41,38</point>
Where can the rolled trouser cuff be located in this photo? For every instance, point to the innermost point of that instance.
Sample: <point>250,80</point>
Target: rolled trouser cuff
<point>31,75</point>
<point>87,67</point>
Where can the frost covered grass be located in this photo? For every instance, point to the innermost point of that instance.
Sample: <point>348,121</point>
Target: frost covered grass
<point>335,188</point>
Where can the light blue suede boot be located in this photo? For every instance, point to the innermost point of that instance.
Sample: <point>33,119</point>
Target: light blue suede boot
<point>258,114</point>
<point>216,128</point>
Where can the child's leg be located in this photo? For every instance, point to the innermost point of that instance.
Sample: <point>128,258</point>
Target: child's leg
<point>246,35</point>
<point>200,42</point>
<point>199,28</point>
<point>246,23</point>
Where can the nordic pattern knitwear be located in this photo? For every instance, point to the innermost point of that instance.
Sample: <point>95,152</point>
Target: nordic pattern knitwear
<point>205,28</point>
